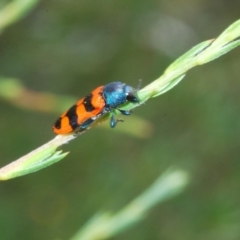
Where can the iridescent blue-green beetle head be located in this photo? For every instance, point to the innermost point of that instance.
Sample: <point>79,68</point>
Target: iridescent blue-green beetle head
<point>115,94</point>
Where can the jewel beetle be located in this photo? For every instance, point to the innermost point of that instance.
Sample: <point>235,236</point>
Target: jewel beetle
<point>102,100</point>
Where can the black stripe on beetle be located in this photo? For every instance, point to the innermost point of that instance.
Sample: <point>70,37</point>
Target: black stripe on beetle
<point>72,116</point>
<point>87,102</point>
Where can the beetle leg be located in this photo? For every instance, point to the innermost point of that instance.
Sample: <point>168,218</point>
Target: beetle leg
<point>113,121</point>
<point>124,112</point>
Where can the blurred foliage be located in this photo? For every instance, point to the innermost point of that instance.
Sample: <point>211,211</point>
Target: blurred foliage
<point>11,12</point>
<point>70,47</point>
<point>106,225</point>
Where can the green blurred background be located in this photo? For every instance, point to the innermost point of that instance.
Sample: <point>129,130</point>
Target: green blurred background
<point>71,47</point>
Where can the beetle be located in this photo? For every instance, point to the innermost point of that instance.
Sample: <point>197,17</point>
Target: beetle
<point>102,100</point>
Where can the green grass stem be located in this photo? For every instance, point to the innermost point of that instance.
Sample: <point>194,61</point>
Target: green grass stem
<point>198,55</point>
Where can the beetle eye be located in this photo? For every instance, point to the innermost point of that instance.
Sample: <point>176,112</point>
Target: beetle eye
<point>131,97</point>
